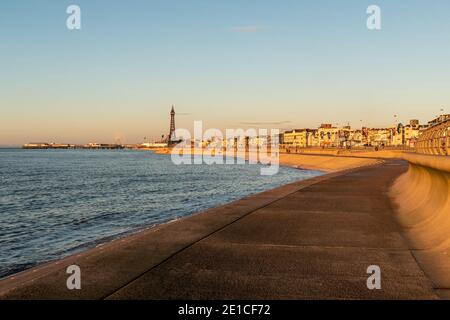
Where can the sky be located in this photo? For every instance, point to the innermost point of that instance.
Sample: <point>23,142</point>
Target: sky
<point>230,63</point>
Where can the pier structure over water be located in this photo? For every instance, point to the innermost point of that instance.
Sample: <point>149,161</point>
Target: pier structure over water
<point>97,146</point>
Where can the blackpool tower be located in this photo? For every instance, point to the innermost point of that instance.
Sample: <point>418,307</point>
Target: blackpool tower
<point>172,126</point>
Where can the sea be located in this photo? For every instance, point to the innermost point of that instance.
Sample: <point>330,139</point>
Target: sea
<point>54,203</point>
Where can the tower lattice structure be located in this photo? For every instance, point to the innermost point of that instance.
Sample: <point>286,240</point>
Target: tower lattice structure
<point>172,125</point>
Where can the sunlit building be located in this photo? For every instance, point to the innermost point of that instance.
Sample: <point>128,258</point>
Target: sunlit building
<point>328,136</point>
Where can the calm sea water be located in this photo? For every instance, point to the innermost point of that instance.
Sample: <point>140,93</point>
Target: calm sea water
<point>56,203</point>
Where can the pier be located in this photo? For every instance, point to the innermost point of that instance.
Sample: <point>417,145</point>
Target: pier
<point>312,239</point>
<point>61,146</point>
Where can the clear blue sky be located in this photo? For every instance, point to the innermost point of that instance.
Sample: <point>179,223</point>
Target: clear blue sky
<point>230,63</point>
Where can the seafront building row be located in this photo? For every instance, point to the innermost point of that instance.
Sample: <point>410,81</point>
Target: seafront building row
<point>329,136</point>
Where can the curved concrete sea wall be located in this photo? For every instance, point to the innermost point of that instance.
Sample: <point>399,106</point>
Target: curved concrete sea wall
<point>423,198</point>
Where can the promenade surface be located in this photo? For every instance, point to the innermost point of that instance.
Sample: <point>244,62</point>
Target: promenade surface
<point>309,240</point>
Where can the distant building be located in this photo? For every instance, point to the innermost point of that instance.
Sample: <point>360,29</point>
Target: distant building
<point>356,139</point>
<point>349,138</point>
<point>407,135</point>
<point>379,137</point>
<point>301,138</point>
<point>414,123</point>
<point>328,136</point>
<point>296,138</point>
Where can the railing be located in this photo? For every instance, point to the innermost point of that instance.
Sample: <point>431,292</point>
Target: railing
<point>435,140</point>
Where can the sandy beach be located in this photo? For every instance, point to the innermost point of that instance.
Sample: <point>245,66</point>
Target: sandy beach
<point>325,162</point>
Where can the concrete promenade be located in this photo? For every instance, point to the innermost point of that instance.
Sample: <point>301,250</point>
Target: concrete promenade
<point>311,239</point>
